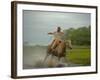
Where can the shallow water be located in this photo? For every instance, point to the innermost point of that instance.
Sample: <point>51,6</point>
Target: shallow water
<point>33,57</point>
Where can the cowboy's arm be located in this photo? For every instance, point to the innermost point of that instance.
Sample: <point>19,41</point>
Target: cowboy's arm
<point>62,32</point>
<point>50,33</point>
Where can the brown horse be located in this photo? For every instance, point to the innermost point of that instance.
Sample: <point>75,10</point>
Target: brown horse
<point>59,50</point>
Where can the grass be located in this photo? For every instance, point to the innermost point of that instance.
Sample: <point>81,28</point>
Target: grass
<point>80,56</point>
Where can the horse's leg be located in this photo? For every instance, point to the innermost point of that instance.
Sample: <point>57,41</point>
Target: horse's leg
<point>46,57</point>
<point>66,59</point>
<point>47,52</point>
<point>59,58</point>
<point>51,61</point>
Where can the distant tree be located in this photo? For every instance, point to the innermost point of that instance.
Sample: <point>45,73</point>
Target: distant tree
<point>79,36</point>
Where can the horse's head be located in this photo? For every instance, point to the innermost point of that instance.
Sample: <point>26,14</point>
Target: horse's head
<point>68,44</point>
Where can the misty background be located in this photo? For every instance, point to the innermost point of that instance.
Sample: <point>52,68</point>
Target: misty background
<point>37,24</point>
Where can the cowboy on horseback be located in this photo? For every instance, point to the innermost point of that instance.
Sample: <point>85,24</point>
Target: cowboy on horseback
<point>58,46</point>
<point>58,38</point>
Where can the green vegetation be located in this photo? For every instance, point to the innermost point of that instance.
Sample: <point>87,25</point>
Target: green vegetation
<point>78,36</point>
<point>80,56</point>
<point>81,41</point>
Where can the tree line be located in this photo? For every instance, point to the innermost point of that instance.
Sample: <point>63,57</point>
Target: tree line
<point>79,36</point>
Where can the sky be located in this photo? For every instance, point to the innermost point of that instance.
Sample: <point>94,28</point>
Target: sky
<point>37,24</point>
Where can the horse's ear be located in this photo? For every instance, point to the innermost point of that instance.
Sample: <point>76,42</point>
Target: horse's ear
<point>69,41</point>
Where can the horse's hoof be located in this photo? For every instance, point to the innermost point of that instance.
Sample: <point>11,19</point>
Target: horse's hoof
<point>60,65</point>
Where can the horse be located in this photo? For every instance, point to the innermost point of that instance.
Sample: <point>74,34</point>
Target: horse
<point>60,49</point>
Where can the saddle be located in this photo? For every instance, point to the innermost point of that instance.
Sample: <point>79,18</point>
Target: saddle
<point>55,43</point>
<point>57,48</point>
